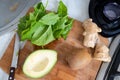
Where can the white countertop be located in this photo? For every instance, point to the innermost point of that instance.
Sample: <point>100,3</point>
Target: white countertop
<point>77,9</point>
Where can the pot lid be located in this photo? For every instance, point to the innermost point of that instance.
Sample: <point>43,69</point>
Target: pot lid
<point>106,14</point>
<point>11,11</point>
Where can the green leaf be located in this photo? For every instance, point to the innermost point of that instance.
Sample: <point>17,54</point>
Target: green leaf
<point>57,33</point>
<point>40,30</point>
<point>62,27</point>
<point>60,23</point>
<point>45,38</point>
<point>32,16</point>
<point>49,19</point>
<point>58,28</point>
<point>22,24</point>
<point>39,11</point>
<point>67,28</point>
<point>27,33</point>
<point>24,34</point>
<point>39,6</point>
<point>62,9</point>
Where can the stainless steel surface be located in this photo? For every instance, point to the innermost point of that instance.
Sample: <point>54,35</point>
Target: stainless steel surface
<point>11,11</point>
<point>117,78</point>
<point>118,68</point>
<point>104,66</point>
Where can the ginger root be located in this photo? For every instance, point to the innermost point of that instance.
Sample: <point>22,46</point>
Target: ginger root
<point>102,52</point>
<point>91,33</point>
<point>91,39</point>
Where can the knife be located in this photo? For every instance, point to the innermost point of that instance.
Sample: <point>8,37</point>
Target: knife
<point>14,58</point>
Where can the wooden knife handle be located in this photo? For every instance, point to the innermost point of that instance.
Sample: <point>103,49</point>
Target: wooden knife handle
<point>12,73</point>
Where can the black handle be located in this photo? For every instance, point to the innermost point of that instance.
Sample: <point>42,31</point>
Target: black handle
<point>12,73</point>
<point>107,33</point>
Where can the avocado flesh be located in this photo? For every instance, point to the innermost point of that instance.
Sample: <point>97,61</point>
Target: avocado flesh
<point>39,63</point>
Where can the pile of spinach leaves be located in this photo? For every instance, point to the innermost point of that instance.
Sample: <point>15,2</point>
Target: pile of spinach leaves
<point>41,27</point>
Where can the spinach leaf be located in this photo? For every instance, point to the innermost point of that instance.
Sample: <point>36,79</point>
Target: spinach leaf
<point>22,24</point>
<point>60,23</point>
<point>67,28</point>
<point>39,11</point>
<point>58,28</point>
<point>27,33</point>
<point>45,38</point>
<point>49,19</point>
<point>42,28</point>
<point>62,9</point>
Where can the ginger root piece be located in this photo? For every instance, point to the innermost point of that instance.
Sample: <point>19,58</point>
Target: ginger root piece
<point>79,59</point>
<point>91,39</point>
<point>91,33</point>
<point>101,52</point>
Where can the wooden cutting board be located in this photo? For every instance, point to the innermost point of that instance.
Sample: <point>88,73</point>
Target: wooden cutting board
<point>61,71</point>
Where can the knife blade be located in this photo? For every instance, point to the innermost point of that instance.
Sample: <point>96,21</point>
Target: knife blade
<point>14,58</point>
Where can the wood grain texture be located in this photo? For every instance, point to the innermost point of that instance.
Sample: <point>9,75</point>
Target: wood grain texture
<point>61,70</point>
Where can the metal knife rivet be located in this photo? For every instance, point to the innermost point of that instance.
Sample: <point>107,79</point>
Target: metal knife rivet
<point>11,71</point>
<point>10,77</point>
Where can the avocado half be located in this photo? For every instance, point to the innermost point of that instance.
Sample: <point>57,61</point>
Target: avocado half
<point>39,63</point>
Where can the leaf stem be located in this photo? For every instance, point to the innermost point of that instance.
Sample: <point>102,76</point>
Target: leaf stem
<point>46,4</point>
